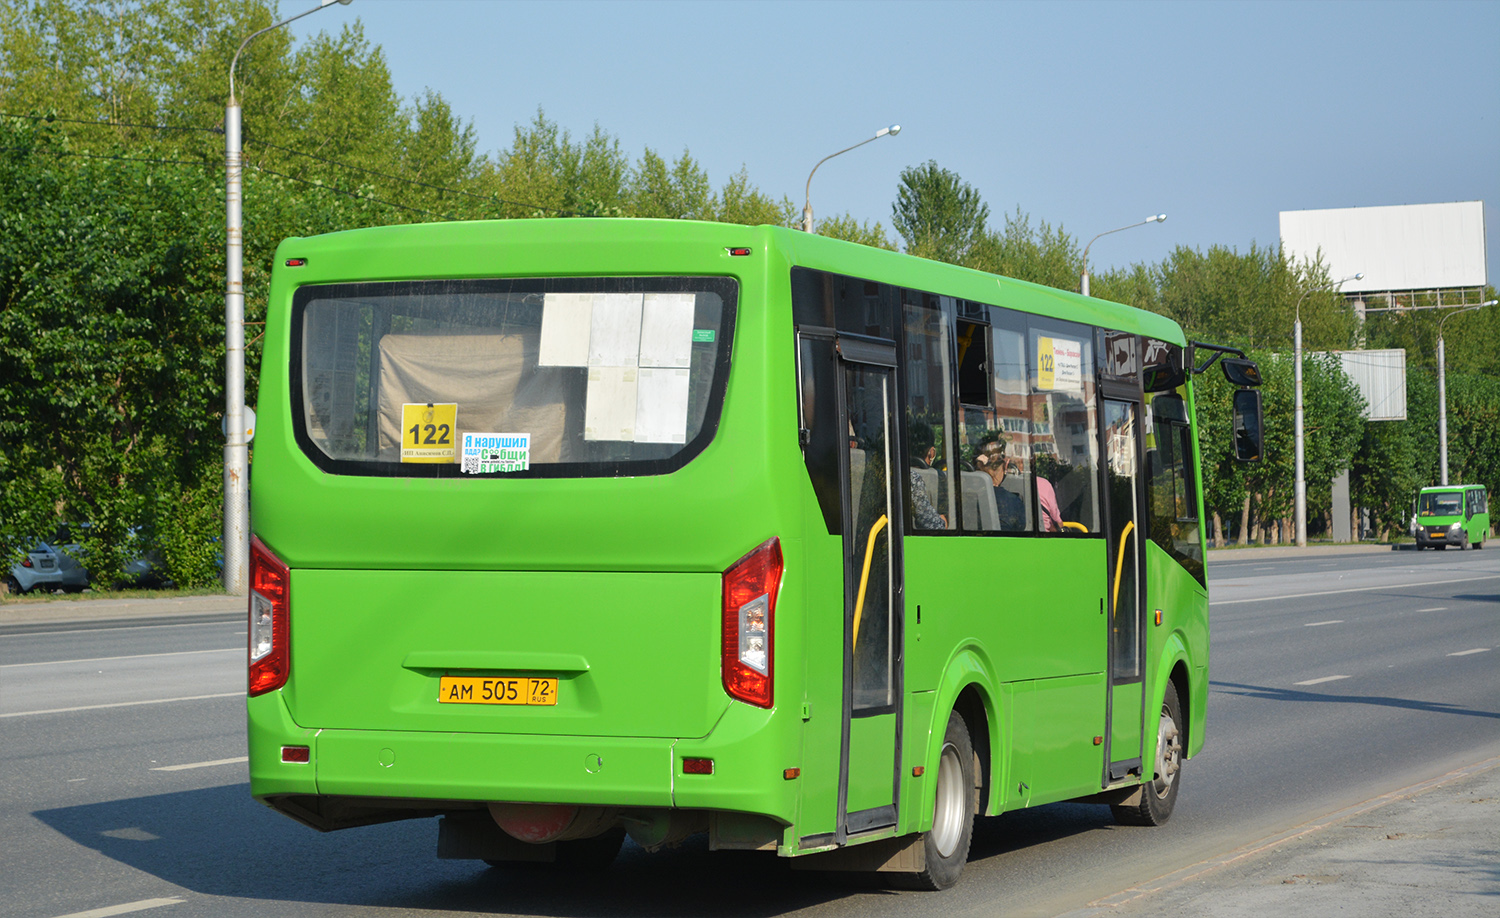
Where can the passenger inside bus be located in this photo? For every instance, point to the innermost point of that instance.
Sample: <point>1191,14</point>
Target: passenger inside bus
<point>925,482</point>
<point>991,459</point>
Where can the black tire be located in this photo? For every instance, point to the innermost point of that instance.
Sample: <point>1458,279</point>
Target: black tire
<point>955,803</point>
<point>1160,795</point>
<point>12,585</point>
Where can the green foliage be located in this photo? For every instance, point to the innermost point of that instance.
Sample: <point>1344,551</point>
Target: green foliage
<point>847,228</point>
<point>937,214</point>
<point>1042,254</point>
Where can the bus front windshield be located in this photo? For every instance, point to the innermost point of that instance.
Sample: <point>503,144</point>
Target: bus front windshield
<point>565,377</point>
<point>1445,503</point>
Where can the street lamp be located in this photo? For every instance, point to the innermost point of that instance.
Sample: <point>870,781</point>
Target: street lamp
<point>1300,491</point>
<point>1083,281</point>
<point>893,130</point>
<point>236,447</point>
<point>1443,385</point>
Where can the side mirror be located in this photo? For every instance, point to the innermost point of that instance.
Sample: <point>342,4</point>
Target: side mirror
<point>1241,372</point>
<point>1248,443</point>
<point>1164,377</point>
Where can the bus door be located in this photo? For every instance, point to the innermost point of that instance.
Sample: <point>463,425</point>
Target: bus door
<point>871,497</point>
<point>1125,603</point>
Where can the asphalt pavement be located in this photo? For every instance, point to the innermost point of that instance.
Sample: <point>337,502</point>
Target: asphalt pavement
<point>1351,766</point>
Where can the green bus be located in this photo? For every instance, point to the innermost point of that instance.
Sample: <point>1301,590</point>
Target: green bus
<point>1452,515</point>
<point>568,529</point>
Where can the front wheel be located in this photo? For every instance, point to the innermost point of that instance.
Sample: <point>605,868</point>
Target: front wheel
<point>947,845</point>
<point>1158,797</point>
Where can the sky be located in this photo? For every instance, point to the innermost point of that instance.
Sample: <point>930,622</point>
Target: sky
<point>1090,116</point>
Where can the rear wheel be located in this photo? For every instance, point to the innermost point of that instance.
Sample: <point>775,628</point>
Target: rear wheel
<point>1159,796</point>
<point>12,585</point>
<point>947,845</point>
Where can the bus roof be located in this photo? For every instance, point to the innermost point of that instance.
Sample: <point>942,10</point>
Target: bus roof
<point>606,245</point>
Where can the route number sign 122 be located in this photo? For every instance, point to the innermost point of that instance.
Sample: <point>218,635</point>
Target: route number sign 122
<point>428,433</point>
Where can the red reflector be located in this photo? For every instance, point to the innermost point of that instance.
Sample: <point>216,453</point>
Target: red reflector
<point>792,774</point>
<point>697,766</point>
<point>297,754</point>
<point>740,251</point>
<point>295,262</point>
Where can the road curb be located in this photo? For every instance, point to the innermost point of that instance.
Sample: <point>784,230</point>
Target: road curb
<point>1107,904</point>
<point>72,612</point>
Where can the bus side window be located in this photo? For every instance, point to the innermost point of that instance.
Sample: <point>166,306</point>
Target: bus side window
<point>930,503</point>
<point>1174,524</point>
<point>1064,418</point>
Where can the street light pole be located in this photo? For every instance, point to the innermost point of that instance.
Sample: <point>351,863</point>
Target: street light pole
<point>236,447</point>
<point>1083,281</point>
<point>1300,491</point>
<point>807,215</point>
<point>1443,386</point>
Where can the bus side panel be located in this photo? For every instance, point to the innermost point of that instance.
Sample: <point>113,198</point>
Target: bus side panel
<point>1037,619</point>
<point>1065,763</point>
<point>1183,604</point>
<point>822,671</point>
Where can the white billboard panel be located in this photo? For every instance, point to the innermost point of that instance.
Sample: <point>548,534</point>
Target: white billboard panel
<point>1381,378</point>
<point>1407,247</point>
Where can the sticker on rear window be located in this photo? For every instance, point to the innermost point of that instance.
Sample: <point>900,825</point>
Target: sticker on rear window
<point>427,432</point>
<point>484,453</point>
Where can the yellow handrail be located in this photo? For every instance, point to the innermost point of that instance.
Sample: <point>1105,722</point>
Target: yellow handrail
<point>1119,566</point>
<point>864,576</point>
<point>1072,525</point>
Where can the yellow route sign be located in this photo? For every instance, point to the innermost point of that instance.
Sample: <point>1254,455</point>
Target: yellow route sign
<point>428,433</point>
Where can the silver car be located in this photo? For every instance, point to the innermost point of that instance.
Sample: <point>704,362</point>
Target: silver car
<point>48,568</point>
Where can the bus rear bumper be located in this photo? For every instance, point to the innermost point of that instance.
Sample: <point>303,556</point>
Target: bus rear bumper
<point>356,777</point>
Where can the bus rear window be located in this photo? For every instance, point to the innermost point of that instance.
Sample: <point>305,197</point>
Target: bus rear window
<point>567,377</point>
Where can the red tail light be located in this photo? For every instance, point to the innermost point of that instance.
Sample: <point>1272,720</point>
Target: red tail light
<point>749,617</point>
<point>270,620</point>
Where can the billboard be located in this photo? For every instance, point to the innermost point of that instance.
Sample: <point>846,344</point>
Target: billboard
<point>1381,378</point>
<point>1407,247</point>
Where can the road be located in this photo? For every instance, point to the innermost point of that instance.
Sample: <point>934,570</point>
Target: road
<point>1335,678</point>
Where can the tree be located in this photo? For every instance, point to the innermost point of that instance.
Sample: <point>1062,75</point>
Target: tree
<point>937,214</point>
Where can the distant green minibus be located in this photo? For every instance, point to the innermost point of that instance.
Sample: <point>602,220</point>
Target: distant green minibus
<point>1452,515</point>
<point>567,529</point>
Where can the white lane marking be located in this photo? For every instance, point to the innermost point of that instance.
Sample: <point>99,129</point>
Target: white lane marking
<point>124,909</point>
<point>1435,609</point>
<point>1263,568</point>
<point>1389,586</point>
<point>234,761</point>
<point>1465,653</point>
<point>1331,621</point>
<point>1324,679</point>
<point>132,656</point>
<point>122,704</point>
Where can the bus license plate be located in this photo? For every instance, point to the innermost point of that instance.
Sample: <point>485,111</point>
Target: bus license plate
<point>502,690</point>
